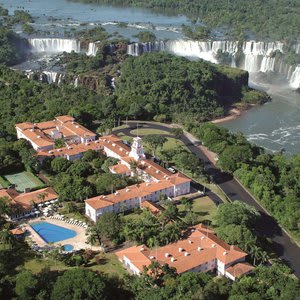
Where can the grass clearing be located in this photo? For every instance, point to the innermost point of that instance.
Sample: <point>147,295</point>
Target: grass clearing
<point>144,131</point>
<point>108,264</point>
<point>173,143</point>
<point>124,137</point>
<point>4,183</point>
<point>23,180</point>
<point>203,207</point>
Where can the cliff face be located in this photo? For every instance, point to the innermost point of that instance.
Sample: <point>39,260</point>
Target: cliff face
<point>230,84</point>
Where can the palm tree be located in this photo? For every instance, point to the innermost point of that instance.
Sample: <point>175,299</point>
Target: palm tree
<point>134,167</point>
<point>264,257</point>
<point>255,253</point>
<point>91,240</point>
<point>7,238</point>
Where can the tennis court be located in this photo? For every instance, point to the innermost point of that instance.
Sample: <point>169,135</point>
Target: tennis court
<point>23,180</point>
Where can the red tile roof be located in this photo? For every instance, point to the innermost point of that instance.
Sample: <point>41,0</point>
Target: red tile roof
<point>153,207</point>
<point>119,169</point>
<point>40,133</point>
<point>26,200</point>
<point>185,254</point>
<point>239,269</point>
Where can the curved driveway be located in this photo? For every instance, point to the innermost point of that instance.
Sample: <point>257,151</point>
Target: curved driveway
<point>284,247</point>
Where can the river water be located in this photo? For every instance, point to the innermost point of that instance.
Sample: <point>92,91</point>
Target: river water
<point>274,126</point>
<point>76,15</point>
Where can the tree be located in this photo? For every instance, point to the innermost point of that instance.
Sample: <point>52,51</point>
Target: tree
<point>237,213</point>
<point>78,284</point>
<point>111,161</point>
<point>232,156</point>
<point>90,155</point>
<point>177,132</point>
<point>80,168</point>
<point>255,253</point>
<point>154,142</point>
<point>5,208</point>
<point>7,238</point>
<point>238,235</point>
<point>189,162</point>
<point>170,213</point>
<point>187,203</point>
<point>60,164</point>
<point>108,225</point>
<point>146,36</point>
<point>26,285</point>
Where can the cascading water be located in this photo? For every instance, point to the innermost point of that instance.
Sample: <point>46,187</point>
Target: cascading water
<point>51,76</point>
<point>92,49</point>
<point>255,56</point>
<point>54,45</point>
<point>295,78</point>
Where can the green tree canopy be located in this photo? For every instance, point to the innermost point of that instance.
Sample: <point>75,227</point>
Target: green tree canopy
<point>78,284</point>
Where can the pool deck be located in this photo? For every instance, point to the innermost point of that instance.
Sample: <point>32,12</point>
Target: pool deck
<point>78,242</point>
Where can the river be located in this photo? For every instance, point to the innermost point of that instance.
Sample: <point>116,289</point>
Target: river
<point>76,15</point>
<point>274,126</point>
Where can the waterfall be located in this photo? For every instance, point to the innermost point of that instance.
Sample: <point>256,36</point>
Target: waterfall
<point>54,45</point>
<point>60,78</point>
<point>76,82</point>
<point>51,76</point>
<point>92,50</point>
<point>136,49</point>
<point>251,56</point>
<point>295,78</point>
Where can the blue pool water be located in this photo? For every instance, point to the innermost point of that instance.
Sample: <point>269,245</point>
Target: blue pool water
<point>68,247</point>
<point>51,233</point>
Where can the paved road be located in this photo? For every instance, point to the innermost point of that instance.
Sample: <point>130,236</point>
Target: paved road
<point>268,227</point>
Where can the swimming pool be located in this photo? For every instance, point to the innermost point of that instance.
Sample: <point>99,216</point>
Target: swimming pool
<point>51,233</point>
<point>68,247</point>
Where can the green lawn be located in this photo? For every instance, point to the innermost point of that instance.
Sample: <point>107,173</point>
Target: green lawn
<point>4,183</point>
<point>124,137</point>
<point>173,143</point>
<point>23,180</point>
<point>109,264</point>
<point>144,131</point>
<point>204,208</point>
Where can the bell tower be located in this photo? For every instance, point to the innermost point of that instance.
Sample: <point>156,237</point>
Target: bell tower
<point>137,150</point>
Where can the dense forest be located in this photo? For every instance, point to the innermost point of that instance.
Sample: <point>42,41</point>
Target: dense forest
<point>12,47</point>
<point>166,87</point>
<point>265,19</point>
<point>272,178</point>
